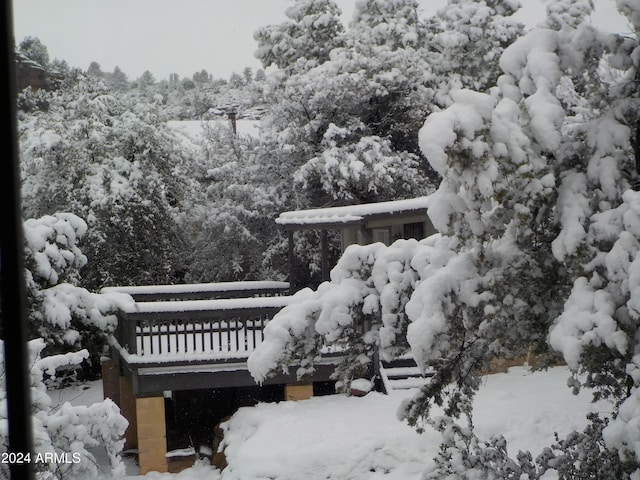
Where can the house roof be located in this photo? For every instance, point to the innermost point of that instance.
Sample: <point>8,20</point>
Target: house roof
<point>336,217</point>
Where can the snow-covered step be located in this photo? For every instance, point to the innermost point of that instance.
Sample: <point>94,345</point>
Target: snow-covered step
<point>402,373</point>
<point>407,383</point>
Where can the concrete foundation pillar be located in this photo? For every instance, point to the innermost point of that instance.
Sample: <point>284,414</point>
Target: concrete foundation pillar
<point>128,410</point>
<point>152,435</point>
<point>298,391</point>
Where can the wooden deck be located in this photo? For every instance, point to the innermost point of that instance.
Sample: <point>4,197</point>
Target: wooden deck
<point>188,337</point>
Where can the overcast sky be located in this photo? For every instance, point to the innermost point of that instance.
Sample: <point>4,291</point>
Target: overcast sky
<point>182,36</point>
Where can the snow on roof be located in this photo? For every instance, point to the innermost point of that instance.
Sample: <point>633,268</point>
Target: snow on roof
<point>207,305</point>
<point>350,213</point>
<point>197,287</point>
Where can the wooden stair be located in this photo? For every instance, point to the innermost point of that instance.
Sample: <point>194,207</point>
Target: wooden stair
<point>402,374</point>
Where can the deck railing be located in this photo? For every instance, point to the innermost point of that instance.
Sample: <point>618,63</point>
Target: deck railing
<point>203,291</point>
<point>183,329</point>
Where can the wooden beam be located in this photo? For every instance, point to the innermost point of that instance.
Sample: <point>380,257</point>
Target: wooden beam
<point>110,381</point>
<point>127,405</point>
<point>324,255</point>
<point>195,380</point>
<point>293,285</point>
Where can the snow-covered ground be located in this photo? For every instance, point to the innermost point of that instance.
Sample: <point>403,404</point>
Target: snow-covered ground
<point>356,438</point>
<point>194,130</point>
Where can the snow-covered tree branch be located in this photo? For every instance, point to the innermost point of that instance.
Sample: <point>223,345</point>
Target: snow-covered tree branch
<point>66,431</point>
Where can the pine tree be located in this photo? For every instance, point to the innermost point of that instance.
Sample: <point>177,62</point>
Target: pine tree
<point>63,429</point>
<point>538,248</point>
<point>65,316</point>
<point>312,30</point>
<point>228,211</point>
<point>113,165</point>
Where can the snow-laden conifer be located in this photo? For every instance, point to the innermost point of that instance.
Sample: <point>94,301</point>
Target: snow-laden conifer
<point>65,436</point>
<point>112,164</point>
<point>539,238</point>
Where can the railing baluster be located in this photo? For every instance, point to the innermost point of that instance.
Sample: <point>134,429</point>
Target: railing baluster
<point>174,335</point>
<point>130,332</point>
<point>202,336</point>
<point>193,333</point>
<point>142,327</point>
<point>237,319</point>
<point>253,332</point>
<point>186,337</point>
<point>211,346</point>
<point>151,337</point>
<point>245,334</point>
<point>167,336</point>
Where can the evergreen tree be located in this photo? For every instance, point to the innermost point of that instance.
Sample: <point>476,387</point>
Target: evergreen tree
<point>235,80</point>
<point>146,79</point>
<point>538,247</point>
<point>113,165</point>
<point>312,30</point>
<point>95,70</point>
<point>371,95</point>
<point>35,50</point>
<point>63,315</point>
<point>63,429</point>
<point>228,211</point>
<point>392,24</point>
<point>117,80</point>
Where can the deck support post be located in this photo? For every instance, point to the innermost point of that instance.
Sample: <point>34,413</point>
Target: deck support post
<point>293,285</point>
<point>127,404</point>
<point>110,381</point>
<point>152,435</point>
<point>298,391</point>
<point>324,255</point>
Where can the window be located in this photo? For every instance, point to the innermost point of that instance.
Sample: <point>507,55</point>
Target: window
<point>381,235</point>
<point>413,230</point>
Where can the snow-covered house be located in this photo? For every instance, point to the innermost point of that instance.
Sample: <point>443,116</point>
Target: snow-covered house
<point>359,224</point>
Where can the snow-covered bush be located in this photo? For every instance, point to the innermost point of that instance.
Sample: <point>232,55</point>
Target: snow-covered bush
<point>581,455</point>
<point>361,172</point>
<point>360,311</point>
<point>62,431</point>
<point>64,315</point>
